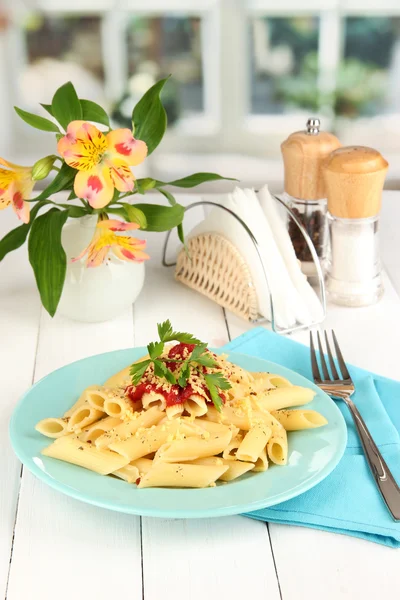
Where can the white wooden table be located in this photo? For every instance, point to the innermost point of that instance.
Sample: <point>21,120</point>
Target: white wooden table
<point>52,546</point>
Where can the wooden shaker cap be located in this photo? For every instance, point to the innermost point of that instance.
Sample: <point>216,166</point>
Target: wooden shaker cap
<point>354,178</point>
<point>303,155</point>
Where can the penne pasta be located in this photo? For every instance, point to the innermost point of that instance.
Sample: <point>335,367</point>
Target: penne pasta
<point>146,441</point>
<point>52,427</point>
<point>261,462</point>
<point>93,432</point>
<point>182,475</point>
<point>200,420</point>
<point>83,416</point>
<point>117,404</point>
<point>230,451</point>
<point>127,428</point>
<point>284,397</point>
<point>295,420</point>
<point>73,450</point>
<point>195,405</point>
<point>279,382</point>
<point>254,443</point>
<point>174,411</point>
<point>277,447</point>
<point>195,447</point>
<point>129,473</point>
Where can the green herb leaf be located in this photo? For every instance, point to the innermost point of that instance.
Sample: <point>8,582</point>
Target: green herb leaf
<point>149,117</point>
<point>161,370</point>
<point>168,196</point>
<point>195,179</point>
<point>36,121</point>
<point>164,330</point>
<point>215,397</point>
<point>135,215</point>
<point>61,181</point>
<point>155,349</point>
<point>16,237</point>
<point>66,106</point>
<point>206,361</point>
<point>218,380</point>
<point>138,370</point>
<point>167,334</point>
<point>161,218</point>
<point>197,352</point>
<point>184,375</point>
<point>94,112</point>
<point>144,184</point>
<point>47,257</point>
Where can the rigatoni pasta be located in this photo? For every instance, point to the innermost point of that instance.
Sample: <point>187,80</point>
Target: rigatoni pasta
<point>204,422</point>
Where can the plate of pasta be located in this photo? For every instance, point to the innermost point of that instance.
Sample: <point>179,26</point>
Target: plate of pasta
<point>178,430</point>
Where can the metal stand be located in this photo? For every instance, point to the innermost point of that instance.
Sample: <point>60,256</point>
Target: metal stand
<point>256,246</point>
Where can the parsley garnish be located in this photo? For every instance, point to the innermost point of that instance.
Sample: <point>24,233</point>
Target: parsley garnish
<point>198,359</point>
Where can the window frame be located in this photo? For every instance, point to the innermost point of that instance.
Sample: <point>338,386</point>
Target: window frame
<point>226,125</point>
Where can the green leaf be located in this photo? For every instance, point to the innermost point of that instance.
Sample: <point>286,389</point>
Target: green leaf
<point>161,218</point>
<point>72,196</point>
<point>144,184</point>
<point>184,375</point>
<point>16,237</point>
<point>61,181</point>
<point>36,121</point>
<point>135,215</point>
<point>161,370</point>
<point>155,349</point>
<point>164,330</point>
<point>47,257</point>
<point>213,382</point>
<point>149,117</point>
<point>207,361</point>
<point>66,106</point>
<point>48,108</point>
<point>138,370</point>
<point>94,112</point>
<point>197,352</point>
<point>75,211</point>
<point>168,196</point>
<point>218,380</point>
<point>195,179</point>
<point>181,234</point>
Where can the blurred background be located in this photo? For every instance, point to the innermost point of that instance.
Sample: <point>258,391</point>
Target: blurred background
<point>245,74</point>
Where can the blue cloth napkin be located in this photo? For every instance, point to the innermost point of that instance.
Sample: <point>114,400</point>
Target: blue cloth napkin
<point>347,501</point>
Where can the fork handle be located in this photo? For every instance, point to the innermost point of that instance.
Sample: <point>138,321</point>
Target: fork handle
<point>384,479</point>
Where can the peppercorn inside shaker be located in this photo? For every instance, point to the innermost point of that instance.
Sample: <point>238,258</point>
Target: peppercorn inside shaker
<point>354,177</point>
<point>303,155</point>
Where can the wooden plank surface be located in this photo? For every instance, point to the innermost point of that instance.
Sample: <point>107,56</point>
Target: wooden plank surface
<point>59,542</point>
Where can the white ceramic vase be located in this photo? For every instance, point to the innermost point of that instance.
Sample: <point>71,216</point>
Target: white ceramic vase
<point>99,293</point>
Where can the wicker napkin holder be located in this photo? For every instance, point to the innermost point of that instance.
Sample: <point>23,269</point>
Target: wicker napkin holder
<point>213,266</point>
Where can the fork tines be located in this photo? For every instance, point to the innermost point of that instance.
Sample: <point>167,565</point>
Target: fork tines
<point>323,374</point>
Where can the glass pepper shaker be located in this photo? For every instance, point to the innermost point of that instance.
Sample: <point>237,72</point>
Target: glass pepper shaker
<point>303,155</point>
<point>354,177</point>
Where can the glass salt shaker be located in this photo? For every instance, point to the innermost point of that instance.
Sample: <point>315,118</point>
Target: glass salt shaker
<point>303,155</point>
<point>354,178</point>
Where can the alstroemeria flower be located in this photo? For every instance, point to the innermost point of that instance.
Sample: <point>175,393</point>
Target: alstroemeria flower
<point>16,183</point>
<point>102,161</point>
<point>104,239</point>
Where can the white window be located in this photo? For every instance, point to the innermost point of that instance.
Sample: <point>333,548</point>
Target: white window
<point>245,74</point>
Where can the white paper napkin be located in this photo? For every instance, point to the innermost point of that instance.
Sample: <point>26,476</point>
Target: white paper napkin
<point>291,292</point>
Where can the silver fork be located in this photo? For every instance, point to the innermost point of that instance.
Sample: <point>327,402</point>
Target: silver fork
<point>341,386</point>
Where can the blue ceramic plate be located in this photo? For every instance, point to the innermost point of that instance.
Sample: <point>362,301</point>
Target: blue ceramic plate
<point>313,454</point>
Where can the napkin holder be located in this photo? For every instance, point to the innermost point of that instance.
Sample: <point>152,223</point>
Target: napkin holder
<point>213,266</point>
